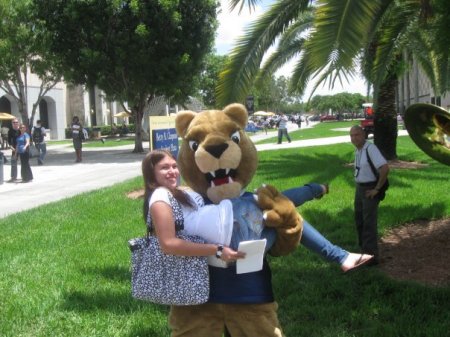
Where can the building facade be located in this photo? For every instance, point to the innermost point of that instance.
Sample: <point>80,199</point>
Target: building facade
<point>415,87</point>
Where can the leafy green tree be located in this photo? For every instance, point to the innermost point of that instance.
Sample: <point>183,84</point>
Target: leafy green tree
<point>133,50</point>
<point>209,77</point>
<point>348,103</point>
<point>321,104</point>
<point>24,50</point>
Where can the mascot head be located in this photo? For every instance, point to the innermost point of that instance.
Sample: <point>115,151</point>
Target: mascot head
<point>216,159</point>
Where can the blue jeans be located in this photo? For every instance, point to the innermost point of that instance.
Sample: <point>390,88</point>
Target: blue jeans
<point>42,148</point>
<point>311,238</point>
<point>248,224</point>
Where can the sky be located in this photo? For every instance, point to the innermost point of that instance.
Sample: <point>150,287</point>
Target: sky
<point>232,25</point>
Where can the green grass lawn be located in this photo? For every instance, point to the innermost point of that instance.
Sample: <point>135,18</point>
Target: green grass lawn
<point>320,130</point>
<point>65,266</point>
<point>108,142</point>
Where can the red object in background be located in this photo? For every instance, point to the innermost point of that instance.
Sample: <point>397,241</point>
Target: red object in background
<point>328,118</point>
<point>367,122</point>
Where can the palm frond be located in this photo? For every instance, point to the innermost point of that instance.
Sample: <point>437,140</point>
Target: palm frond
<point>247,55</point>
<point>341,31</point>
<point>250,3</point>
<point>394,34</point>
<point>289,46</point>
<point>282,55</point>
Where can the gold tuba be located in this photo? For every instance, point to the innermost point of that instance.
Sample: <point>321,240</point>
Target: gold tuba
<point>429,127</point>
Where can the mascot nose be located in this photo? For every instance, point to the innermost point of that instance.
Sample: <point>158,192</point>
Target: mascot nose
<point>216,150</point>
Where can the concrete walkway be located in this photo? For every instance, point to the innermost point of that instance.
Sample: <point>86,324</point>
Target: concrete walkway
<point>60,177</point>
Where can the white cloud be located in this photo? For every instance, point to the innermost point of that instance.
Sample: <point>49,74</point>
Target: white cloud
<point>232,25</point>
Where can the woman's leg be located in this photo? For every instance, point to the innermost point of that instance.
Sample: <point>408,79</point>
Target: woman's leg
<point>25,168</point>
<point>300,195</point>
<point>22,166</point>
<point>314,240</point>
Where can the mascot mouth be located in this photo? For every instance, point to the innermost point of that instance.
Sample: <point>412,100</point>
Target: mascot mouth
<point>220,177</point>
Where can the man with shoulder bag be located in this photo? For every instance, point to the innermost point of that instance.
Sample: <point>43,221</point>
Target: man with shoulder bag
<point>371,172</point>
<point>38,135</point>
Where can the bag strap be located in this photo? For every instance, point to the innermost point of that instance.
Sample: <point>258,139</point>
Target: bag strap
<point>372,166</point>
<point>177,215</point>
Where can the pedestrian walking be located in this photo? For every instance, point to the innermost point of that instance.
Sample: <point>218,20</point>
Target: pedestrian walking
<point>282,128</point>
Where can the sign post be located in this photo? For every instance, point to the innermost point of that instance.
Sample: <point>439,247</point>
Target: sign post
<point>163,134</point>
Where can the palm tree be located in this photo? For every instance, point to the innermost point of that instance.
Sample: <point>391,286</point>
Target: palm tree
<point>332,37</point>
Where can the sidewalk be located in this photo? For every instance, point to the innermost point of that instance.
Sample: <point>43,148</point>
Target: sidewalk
<point>60,177</point>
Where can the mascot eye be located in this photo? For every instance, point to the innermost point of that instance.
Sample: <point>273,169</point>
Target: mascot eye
<point>236,137</point>
<point>193,145</point>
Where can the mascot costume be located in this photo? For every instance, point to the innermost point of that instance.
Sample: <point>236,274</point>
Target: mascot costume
<point>218,160</point>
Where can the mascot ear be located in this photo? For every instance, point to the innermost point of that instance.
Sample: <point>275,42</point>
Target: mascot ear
<point>183,120</point>
<point>237,113</point>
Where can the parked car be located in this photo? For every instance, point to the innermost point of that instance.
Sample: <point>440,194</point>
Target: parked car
<point>328,118</point>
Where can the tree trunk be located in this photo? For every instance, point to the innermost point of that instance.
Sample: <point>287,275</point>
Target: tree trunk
<point>138,147</point>
<point>385,122</point>
<point>138,111</point>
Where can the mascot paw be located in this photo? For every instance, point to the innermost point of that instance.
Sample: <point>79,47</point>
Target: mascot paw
<point>279,211</point>
<point>281,214</point>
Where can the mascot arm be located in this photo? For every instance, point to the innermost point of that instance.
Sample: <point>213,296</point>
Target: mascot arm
<point>280,213</point>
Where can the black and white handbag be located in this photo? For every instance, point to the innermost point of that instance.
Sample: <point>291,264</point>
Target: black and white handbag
<point>168,279</point>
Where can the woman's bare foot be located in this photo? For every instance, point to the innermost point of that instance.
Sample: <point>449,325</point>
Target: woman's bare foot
<point>354,261</point>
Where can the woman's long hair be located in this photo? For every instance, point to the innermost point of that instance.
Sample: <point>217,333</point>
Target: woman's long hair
<point>150,184</point>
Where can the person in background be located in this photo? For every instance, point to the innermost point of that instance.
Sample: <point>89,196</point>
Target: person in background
<point>4,133</point>
<point>114,129</point>
<point>77,130</point>
<point>23,150</point>
<point>367,188</point>
<point>38,135</point>
<point>266,124</point>
<point>282,128</point>
<point>13,133</point>
<point>124,129</point>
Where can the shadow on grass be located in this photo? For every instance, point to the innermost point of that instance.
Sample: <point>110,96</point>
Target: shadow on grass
<point>113,273</point>
<point>300,163</point>
<point>119,302</point>
<point>325,167</point>
<point>317,299</point>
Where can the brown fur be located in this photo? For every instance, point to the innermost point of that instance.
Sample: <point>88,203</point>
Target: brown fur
<point>215,144</point>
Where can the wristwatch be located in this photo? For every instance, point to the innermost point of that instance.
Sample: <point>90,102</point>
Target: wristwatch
<point>219,251</point>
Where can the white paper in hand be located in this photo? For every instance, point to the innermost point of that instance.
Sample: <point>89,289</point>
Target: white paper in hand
<point>254,257</point>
